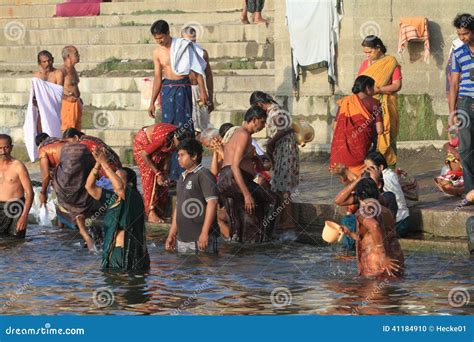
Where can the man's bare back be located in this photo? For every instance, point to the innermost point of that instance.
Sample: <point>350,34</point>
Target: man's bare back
<point>240,139</point>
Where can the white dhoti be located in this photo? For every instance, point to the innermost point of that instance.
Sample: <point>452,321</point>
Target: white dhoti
<point>48,97</point>
<point>200,114</point>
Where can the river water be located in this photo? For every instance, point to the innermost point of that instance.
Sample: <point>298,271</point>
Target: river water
<point>49,273</point>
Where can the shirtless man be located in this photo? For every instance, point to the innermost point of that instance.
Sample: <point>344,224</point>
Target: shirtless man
<point>176,93</point>
<point>17,193</point>
<point>379,253</point>
<point>71,110</point>
<point>49,157</point>
<point>246,202</point>
<point>47,72</point>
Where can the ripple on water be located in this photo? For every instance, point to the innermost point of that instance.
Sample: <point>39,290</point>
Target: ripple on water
<point>48,273</point>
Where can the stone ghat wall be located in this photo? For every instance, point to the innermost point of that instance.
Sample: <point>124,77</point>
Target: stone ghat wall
<point>422,102</point>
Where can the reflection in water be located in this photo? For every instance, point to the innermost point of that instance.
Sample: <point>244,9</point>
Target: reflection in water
<point>49,273</point>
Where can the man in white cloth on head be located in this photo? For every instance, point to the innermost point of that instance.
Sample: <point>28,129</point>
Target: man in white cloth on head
<point>44,105</point>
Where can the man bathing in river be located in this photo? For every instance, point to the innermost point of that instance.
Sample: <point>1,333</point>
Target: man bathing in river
<point>246,202</point>
<point>17,193</point>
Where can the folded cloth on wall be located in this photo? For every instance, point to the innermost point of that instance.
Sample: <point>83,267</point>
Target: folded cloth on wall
<point>414,28</point>
<point>78,8</point>
<point>48,97</point>
<point>314,32</point>
<point>187,56</point>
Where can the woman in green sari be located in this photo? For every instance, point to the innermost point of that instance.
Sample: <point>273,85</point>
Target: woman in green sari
<point>124,247</point>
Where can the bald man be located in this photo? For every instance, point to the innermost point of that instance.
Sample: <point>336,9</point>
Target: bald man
<point>71,110</point>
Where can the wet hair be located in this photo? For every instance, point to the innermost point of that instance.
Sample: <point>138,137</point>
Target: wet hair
<point>261,97</point>
<point>131,177</point>
<point>255,112</point>
<point>464,20</point>
<point>361,83</point>
<point>374,42</point>
<point>160,27</point>
<point>40,138</point>
<point>208,134</point>
<point>44,53</point>
<point>67,50</point>
<point>188,31</point>
<point>366,188</point>
<point>224,128</point>
<point>71,133</point>
<point>377,158</point>
<point>7,138</point>
<point>192,147</point>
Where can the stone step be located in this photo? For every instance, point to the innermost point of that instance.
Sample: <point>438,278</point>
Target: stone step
<point>232,83</point>
<point>133,100</point>
<point>158,8</point>
<point>99,53</point>
<point>219,66</point>
<point>108,21</point>
<point>136,34</point>
<point>30,2</point>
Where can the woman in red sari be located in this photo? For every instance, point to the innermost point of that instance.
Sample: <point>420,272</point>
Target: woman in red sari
<point>357,124</point>
<point>152,148</point>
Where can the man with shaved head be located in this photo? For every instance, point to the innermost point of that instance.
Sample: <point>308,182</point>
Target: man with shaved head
<point>71,110</point>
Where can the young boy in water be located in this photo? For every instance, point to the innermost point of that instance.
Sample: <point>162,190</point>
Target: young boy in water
<point>193,228</point>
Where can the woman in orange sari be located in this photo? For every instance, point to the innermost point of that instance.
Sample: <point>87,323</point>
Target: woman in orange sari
<point>357,124</point>
<point>386,72</point>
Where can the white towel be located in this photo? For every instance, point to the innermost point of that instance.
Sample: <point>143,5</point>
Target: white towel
<point>48,96</point>
<point>314,32</point>
<point>187,56</point>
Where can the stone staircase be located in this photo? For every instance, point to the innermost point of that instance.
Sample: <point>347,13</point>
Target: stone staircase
<point>116,68</point>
